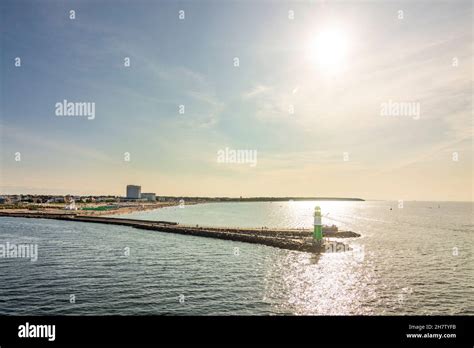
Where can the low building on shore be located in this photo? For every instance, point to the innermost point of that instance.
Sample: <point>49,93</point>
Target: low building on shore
<point>149,196</point>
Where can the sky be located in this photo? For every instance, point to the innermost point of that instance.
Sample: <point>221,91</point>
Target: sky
<point>306,98</point>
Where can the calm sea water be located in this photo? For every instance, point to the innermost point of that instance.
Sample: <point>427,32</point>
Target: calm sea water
<point>414,260</point>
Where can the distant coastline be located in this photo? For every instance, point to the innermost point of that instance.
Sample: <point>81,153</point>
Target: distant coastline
<point>110,198</point>
<point>112,205</point>
<point>260,199</point>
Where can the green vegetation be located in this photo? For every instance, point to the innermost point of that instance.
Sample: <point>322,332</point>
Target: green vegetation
<point>101,208</point>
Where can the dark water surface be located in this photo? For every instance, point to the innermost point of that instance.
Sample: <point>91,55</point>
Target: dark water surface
<point>415,260</point>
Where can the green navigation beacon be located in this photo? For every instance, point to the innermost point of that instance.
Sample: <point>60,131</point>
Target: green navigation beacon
<point>318,227</point>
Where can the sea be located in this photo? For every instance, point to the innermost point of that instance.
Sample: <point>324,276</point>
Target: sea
<point>412,258</point>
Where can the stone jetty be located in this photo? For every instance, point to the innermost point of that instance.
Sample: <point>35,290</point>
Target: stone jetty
<point>291,239</point>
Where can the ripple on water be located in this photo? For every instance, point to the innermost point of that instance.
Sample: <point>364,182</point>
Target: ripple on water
<point>406,264</point>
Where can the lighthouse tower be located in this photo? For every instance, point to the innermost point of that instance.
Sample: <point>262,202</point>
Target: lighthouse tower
<point>318,227</point>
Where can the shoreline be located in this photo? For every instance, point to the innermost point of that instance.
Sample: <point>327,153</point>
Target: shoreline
<point>60,210</point>
<point>290,239</point>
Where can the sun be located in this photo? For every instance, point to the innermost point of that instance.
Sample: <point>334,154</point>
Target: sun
<point>329,49</point>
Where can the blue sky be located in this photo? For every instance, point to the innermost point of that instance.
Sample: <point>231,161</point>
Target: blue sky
<point>190,62</point>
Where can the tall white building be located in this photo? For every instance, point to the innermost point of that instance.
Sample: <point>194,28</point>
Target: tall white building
<point>134,191</point>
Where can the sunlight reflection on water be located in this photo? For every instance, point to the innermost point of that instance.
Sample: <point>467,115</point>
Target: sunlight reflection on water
<point>402,264</point>
<point>389,271</point>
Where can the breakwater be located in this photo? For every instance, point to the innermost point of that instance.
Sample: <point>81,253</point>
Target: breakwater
<point>291,239</point>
